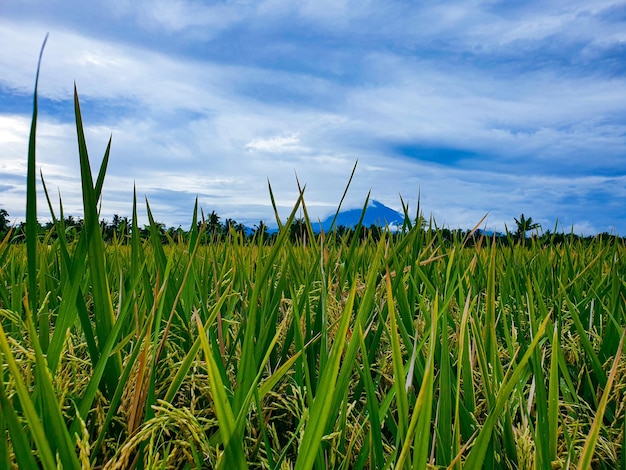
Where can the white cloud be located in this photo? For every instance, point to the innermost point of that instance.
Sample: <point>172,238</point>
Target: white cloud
<point>325,84</point>
<point>278,144</point>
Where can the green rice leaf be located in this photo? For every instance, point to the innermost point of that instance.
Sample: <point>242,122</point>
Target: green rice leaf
<point>314,430</point>
<point>592,438</point>
<point>476,457</point>
<point>103,307</point>
<point>28,408</point>
<point>31,199</point>
<point>553,397</point>
<point>234,455</point>
<point>19,438</point>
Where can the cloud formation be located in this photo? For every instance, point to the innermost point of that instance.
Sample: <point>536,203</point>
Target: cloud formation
<point>477,107</point>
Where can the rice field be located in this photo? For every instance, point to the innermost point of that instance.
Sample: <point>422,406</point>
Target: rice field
<point>404,350</point>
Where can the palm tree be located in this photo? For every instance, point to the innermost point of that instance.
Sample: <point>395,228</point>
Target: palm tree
<point>260,231</point>
<point>227,225</point>
<point>240,228</point>
<point>297,231</point>
<point>524,225</point>
<point>114,228</point>
<point>213,224</point>
<point>5,224</point>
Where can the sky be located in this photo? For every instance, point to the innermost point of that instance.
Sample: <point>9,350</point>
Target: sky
<point>475,108</point>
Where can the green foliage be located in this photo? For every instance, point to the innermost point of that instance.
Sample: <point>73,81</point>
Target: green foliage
<point>524,225</point>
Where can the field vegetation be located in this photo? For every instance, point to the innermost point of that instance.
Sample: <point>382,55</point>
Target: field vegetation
<point>415,349</point>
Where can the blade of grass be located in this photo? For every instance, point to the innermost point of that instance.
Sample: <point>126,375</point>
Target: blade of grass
<point>375,437</point>
<point>248,364</point>
<point>590,353</point>
<point>418,431</point>
<point>553,397</point>
<point>314,430</point>
<point>542,421</point>
<point>52,417</point>
<point>592,438</point>
<point>234,455</point>
<point>19,439</point>
<point>478,452</point>
<point>117,396</point>
<point>463,371</point>
<point>402,402</point>
<point>32,225</point>
<point>103,307</point>
<point>98,372</point>
<point>190,357</point>
<point>343,196</point>
<point>27,406</point>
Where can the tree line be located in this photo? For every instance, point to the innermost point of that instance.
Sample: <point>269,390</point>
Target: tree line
<point>119,229</point>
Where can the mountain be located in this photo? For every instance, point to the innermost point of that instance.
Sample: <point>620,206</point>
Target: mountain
<point>376,213</point>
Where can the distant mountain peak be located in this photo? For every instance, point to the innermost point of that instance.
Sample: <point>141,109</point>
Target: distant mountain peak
<point>376,213</point>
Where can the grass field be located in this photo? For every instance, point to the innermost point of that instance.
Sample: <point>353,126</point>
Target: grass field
<point>404,351</point>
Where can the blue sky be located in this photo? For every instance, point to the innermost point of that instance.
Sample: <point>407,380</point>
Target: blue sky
<point>479,107</point>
